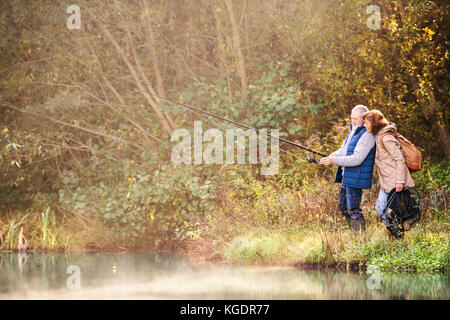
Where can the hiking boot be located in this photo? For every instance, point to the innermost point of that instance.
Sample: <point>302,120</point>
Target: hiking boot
<point>349,221</point>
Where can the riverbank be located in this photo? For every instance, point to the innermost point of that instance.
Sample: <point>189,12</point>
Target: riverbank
<point>283,221</point>
<point>420,251</point>
<point>265,223</point>
<point>232,239</point>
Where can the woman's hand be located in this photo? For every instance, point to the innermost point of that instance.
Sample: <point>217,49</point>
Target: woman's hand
<point>399,187</point>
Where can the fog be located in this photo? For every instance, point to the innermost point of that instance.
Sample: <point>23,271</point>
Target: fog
<point>167,276</point>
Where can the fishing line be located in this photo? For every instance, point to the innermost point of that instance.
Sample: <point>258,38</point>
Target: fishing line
<point>285,151</point>
<point>309,159</point>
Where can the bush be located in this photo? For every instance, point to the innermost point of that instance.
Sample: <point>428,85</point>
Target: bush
<point>136,206</point>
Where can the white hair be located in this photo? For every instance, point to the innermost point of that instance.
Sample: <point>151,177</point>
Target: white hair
<point>360,109</point>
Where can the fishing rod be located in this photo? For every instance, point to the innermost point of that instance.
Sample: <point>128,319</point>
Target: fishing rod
<point>309,159</point>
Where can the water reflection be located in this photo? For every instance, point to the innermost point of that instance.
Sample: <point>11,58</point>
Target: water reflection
<point>168,276</point>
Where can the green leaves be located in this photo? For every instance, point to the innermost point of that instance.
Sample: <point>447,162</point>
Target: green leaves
<point>136,204</point>
<point>293,128</point>
<point>272,101</point>
<point>427,255</point>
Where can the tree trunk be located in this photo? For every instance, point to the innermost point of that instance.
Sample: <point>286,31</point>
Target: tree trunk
<point>221,44</point>
<point>237,47</point>
<point>146,81</point>
<point>133,72</point>
<point>126,115</point>
<point>151,44</point>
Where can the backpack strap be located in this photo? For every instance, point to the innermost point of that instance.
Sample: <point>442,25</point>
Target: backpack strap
<point>388,133</point>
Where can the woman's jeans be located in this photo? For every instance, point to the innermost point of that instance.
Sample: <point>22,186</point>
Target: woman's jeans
<point>381,204</point>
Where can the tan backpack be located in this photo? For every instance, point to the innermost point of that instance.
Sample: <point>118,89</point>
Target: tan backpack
<point>413,157</point>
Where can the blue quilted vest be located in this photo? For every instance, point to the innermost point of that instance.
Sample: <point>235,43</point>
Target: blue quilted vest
<point>359,176</point>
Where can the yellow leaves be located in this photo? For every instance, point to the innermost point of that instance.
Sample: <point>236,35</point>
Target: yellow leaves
<point>428,32</point>
<point>146,12</point>
<point>152,214</point>
<point>362,53</point>
<point>393,27</point>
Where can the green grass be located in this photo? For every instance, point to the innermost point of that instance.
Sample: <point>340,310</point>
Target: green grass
<point>418,252</point>
<point>255,249</point>
<point>428,253</point>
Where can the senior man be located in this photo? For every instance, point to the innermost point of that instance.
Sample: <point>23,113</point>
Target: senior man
<point>355,160</point>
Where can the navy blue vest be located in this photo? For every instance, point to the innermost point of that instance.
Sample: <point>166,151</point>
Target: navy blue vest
<point>359,176</point>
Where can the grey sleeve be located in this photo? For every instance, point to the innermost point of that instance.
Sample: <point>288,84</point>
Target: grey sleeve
<point>362,149</point>
<point>339,151</point>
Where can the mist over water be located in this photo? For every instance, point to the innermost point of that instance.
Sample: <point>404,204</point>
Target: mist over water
<point>168,276</point>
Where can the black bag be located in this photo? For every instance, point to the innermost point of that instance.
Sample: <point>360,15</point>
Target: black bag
<point>401,207</point>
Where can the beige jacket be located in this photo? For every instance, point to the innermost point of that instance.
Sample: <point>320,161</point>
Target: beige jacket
<point>390,162</point>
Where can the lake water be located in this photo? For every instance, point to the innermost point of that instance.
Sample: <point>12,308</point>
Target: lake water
<point>168,276</point>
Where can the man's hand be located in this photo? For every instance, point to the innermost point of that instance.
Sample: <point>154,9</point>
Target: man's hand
<point>398,187</point>
<point>327,161</point>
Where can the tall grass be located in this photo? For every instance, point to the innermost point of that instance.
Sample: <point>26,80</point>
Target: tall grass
<point>263,222</point>
<point>11,232</point>
<point>45,231</point>
<point>63,230</point>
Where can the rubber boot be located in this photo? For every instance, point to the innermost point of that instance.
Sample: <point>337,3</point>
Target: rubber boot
<point>349,221</point>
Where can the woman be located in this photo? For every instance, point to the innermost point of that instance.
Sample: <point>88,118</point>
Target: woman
<point>391,165</point>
